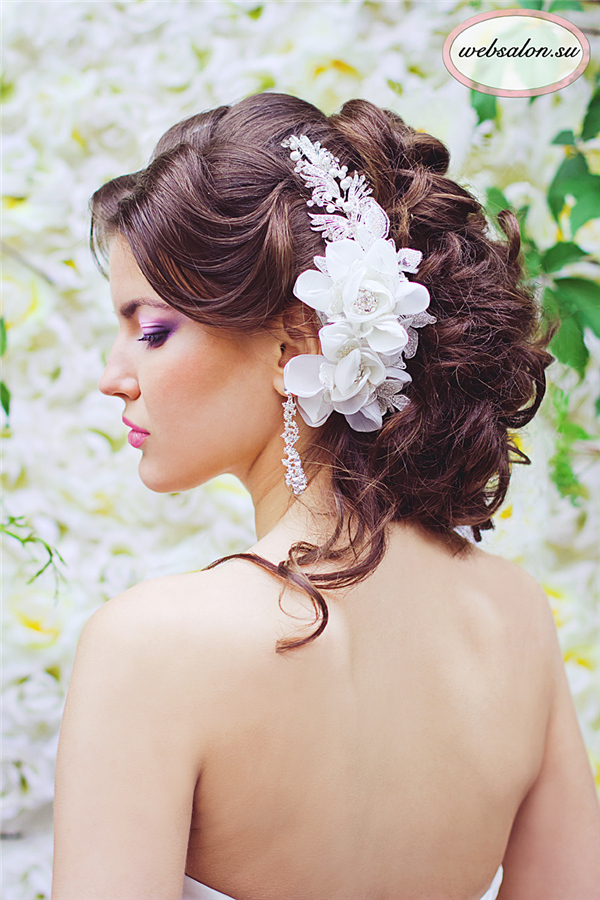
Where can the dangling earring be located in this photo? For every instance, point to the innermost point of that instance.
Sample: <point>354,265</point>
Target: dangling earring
<point>294,477</point>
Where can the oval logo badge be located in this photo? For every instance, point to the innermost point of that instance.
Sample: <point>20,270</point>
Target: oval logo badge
<point>516,53</point>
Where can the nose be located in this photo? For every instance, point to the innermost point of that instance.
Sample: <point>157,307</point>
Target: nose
<point>119,379</point>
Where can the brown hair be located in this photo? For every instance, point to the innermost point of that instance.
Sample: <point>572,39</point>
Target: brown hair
<point>218,225</point>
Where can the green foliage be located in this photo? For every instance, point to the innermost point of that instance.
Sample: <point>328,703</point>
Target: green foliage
<point>567,344</point>
<point>5,398</point>
<point>485,105</point>
<point>574,194</point>
<point>557,5</point>
<point>574,178</point>
<point>2,336</point>
<point>560,255</point>
<point>565,137</point>
<point>591,123</point>
<point>568,432</point>
<point>579,297</point>
<point>16,527</point>
<point>255,13</point>
<point>495,201</point>
<point>577,302</point>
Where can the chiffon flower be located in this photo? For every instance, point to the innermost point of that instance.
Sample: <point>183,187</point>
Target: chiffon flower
<point>368,304</point>
<point>364,286</point>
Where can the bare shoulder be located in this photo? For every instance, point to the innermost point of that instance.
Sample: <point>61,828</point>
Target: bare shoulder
<point>197,615</point>
<point>516,595</point>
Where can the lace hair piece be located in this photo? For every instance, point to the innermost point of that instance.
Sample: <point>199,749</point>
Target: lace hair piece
<point>368,308</point>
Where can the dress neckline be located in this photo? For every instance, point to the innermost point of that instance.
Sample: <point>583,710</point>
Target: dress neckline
<point>195,890</point>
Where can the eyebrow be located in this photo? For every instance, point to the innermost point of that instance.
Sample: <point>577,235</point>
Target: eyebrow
<point>128,309</point>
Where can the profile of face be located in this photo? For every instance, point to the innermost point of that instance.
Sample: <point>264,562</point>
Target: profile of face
<point>201,401</point>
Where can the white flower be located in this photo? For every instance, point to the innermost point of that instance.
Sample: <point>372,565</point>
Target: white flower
<point>361,285</point>
<point>383,335</point>
<point>361,293</point>
<point>345,385</point>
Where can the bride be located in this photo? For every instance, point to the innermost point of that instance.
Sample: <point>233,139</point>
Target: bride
<point>365,705</point>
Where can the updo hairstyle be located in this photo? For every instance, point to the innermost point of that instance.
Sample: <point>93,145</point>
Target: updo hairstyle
<point>219,226</point>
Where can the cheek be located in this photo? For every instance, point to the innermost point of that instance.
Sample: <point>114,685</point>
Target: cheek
<point>216,387</point>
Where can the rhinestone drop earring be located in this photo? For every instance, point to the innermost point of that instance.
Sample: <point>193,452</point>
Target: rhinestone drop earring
<point>294,476</point>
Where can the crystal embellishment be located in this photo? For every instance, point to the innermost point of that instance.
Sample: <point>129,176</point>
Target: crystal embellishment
<point>294,476</point>
<point>368,308</point>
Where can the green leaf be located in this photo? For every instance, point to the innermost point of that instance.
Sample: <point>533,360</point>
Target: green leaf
<point>571,174</point>
<point>561,255</point>
<point>563,475</point>
<point>255,13</point>
<point>587,206</point>
<point>565,4</point>
<point>564,137</point>
<point>484,105</point>
<point>2,336</point>
<point>531,4</point>
<point>580,297</point>
<point>573,177</point>
<point>568,345</point>
<point>533,260</point>
<point>495,201</point>
<point>5,398</point>
<point>573,432</point>
<point>561,463</point>
<point>591,122</point>
<point>395,86</point>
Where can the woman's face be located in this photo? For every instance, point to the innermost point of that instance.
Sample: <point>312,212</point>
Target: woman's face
<point>202,402</point>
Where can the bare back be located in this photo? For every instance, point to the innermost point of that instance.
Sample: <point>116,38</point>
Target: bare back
<point>389,757</point>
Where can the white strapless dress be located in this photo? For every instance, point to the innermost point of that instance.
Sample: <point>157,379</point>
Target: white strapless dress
<point>194,890</point>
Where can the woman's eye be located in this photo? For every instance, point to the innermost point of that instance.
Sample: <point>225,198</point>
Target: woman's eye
<point>154,338</point>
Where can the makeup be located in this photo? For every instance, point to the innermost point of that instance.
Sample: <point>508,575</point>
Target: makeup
<point>154,333</point>
<point>136,436</point>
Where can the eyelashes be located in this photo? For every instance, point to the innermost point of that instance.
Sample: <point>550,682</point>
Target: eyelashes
<point>154,338</point>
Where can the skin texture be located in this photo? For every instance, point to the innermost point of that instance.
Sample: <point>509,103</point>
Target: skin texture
<point>211,401</point>
<point>427,736</point>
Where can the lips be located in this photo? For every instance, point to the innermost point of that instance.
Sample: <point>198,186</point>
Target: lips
<point>136,436</point>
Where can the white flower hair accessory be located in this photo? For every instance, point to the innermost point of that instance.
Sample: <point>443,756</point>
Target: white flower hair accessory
<point>368,308</point>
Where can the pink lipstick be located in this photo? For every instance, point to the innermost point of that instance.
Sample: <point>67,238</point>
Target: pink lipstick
<point>136,436</point>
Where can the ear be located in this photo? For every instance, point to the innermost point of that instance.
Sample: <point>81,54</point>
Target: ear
<point>296,333</point>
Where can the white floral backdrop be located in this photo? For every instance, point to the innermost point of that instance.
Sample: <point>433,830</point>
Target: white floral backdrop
<point>88,87</point>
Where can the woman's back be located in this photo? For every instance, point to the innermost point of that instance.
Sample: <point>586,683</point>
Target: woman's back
<point>419,730</point>
<point>387,759</point>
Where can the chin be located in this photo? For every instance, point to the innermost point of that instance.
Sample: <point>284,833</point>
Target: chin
<point>167,482</point>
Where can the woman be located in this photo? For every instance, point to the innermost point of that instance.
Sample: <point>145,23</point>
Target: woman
<point>365,705</point>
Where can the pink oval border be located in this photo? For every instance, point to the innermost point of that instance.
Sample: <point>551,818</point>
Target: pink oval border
<point>530,13</point>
